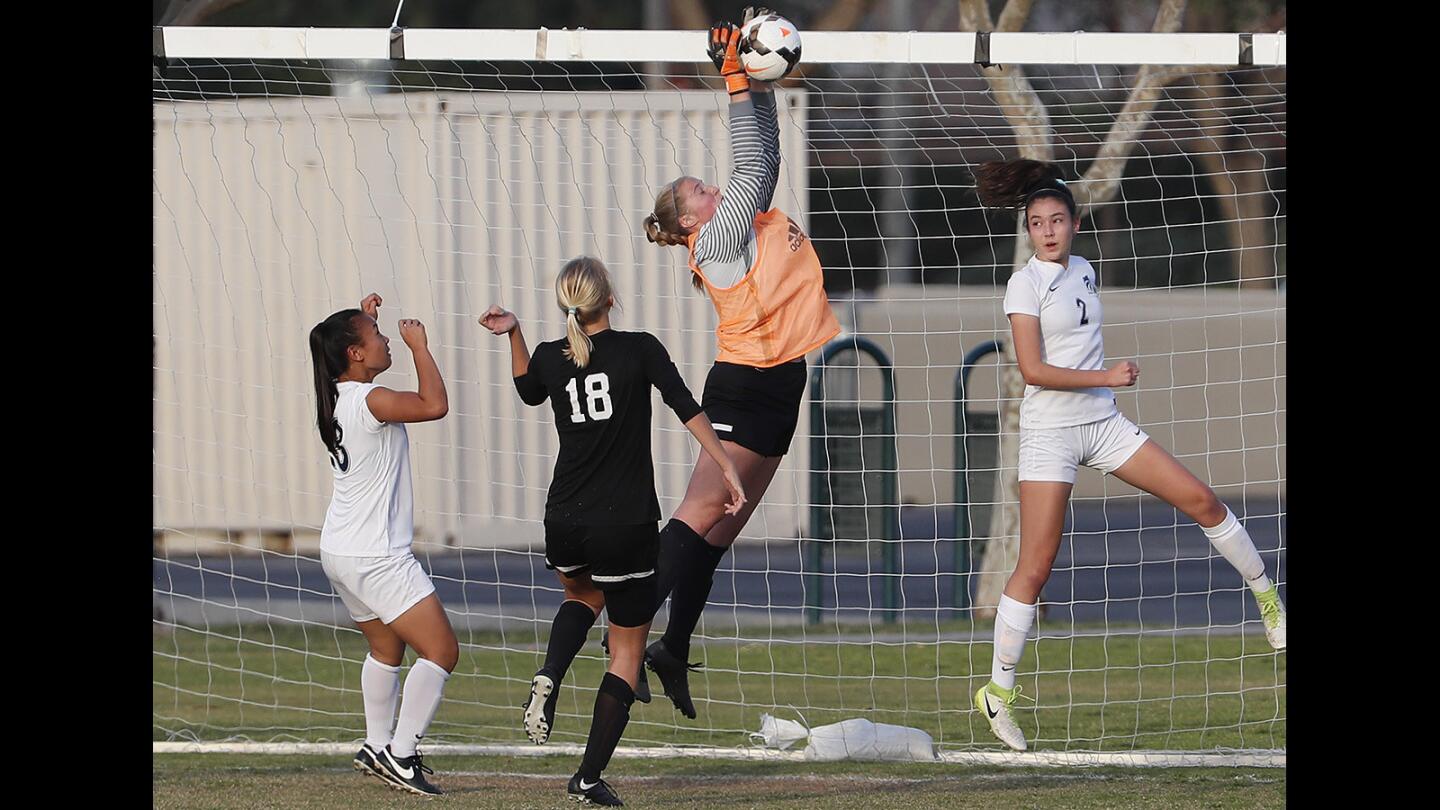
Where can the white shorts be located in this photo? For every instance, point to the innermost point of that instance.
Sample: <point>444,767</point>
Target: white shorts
<point>1053,454</point>
<point>377,587</point>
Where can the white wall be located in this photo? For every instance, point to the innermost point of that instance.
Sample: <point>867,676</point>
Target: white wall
<point>271,213</point>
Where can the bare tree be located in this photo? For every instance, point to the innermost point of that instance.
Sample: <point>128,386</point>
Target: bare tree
<point>1027,115</point>
<point>1235,167</point>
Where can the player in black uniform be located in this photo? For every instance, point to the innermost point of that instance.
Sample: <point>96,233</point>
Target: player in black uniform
<point>601,516</point>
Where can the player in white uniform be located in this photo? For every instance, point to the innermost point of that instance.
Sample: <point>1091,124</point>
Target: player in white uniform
<point>1069,419</point>
<point>365,543</point>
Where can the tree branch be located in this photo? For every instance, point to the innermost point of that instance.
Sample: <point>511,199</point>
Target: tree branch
<point>975,16</point>
<point>1169,17</point>
<point>1102,179</point>
<point>1014,15</point>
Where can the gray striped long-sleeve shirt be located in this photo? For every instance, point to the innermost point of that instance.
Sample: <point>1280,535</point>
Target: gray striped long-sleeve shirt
<point>725,246</point>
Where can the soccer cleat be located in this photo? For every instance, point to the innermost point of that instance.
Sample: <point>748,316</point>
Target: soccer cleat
<point>367,762</point>
<point>642,684</point>
<point>674,676</point>
<point>1272,612</point>
<point>995,702</point>
<point>540,708</point>
<point>406,773</point>
<point>597,792</point>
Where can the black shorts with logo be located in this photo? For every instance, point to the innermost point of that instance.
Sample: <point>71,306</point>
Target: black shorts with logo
<point>619,559</point>
<point>757,408</point>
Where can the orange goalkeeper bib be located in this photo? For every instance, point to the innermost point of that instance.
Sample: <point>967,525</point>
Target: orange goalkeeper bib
<point>779,310</point>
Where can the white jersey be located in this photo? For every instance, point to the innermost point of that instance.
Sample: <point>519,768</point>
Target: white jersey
<point>371,510</point>
<point>1067,302</point>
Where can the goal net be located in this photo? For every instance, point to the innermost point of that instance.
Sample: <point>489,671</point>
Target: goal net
<point>297,170</point>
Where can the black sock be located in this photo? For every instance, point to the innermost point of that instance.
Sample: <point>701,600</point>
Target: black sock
<point>567,635</point>
<point>667,562</point>
<point>695,563</point>
<point>612,712</point>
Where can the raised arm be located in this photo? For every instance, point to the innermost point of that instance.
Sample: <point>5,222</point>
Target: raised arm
<point>503,322</point>
<point>755,159</point>
<point>430,402</point>
<point>765,117</point>
<point>764,101</point>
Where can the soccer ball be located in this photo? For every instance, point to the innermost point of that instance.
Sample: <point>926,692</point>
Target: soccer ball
<point>769,48</point>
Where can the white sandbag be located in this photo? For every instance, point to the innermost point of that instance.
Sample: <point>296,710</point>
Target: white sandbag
<point>862,739</point>
<point>777,733</point>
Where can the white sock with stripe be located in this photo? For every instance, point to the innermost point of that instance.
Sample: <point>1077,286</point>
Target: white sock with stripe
<point>1013,621</point>
<point>424,687</point>
<point>380,687</point>
<point>1234,544</point>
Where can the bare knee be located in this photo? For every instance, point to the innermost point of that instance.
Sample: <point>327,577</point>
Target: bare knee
<point>445,654</point>
<point>391,655</point>
<point>385,646</point>
<point>1025,586</point>
<point>701,513</point>
<point>585,592</point>
<point>625,660</point>
<point>1204,507</point>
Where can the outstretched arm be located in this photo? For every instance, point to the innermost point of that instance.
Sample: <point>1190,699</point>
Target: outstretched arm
<point>755,155</point>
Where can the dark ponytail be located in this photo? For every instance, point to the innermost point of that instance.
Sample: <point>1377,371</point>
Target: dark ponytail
<point>328,342</point>
<point>1017,183</point>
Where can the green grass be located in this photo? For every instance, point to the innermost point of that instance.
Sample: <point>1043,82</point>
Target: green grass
<point>222,782</point>
<point>1113,693</point>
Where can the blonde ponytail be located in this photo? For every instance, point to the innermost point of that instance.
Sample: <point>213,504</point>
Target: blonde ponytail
<point>583,291</point>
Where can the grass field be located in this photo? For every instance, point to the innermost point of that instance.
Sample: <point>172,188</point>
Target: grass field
<point>223,781</point>
<point>1106,693</point>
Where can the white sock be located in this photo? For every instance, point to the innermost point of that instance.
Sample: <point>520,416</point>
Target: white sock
<point>1235,545</point>
<point>380,686</point>
<point>424,687</point>
<point>1013,621</point>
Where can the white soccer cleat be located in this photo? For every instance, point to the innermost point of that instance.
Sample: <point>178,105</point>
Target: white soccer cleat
<point>994,702</point>
<point>1272,613</point>
<point>540,708</point>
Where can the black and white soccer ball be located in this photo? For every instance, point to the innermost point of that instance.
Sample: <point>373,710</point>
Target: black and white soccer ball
<point>769,47</point>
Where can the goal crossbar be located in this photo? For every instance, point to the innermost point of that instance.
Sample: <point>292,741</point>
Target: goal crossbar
<point>821,47</point>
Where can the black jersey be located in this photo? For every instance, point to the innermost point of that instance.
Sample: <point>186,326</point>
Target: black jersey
<point>604,474</point>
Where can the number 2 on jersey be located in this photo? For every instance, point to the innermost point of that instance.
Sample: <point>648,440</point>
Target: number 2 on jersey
<point>1084,316</point>
<point>597,398</point>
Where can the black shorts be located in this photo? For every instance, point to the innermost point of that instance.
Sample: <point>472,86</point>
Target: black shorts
<point>757,408</point>
<point>619,559</point>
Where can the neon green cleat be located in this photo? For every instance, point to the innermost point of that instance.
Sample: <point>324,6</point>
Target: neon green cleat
<point>994,702</point>
<point>1272,612</point>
